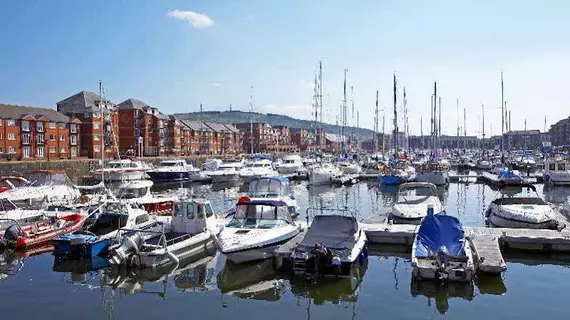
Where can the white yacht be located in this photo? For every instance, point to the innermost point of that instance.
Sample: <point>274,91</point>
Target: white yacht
<point>291,164</point>
<point>413,201</point>
<point>255,230</point>
<point>557,172</point>
<point>324,174</point>
<point>226,172</point>
<point>44,186</point>
<point>123,169</point>
<point>433,172</point>
<point>256,169</point>
<point>139,192</point>
<point>350,167</point>
<point>171,170</point>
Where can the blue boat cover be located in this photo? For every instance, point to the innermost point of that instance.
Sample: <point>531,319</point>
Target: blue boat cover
<point>437,230</point>
<point>508,174</point>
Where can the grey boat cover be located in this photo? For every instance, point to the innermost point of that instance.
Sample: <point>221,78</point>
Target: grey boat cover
<point>334,231</point>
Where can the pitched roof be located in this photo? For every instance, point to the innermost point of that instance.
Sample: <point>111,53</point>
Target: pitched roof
<point>12,111</point>
<point>232,128</point>
<point>133,103</point>
<point>195,125</point>
<point>84,101</point>
<point>217,127</point>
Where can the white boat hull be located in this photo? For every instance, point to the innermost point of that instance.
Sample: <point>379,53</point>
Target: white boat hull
<point>436,178</point>
<point>501,222</point>
<point>122,176</point>
<point>426,269</point>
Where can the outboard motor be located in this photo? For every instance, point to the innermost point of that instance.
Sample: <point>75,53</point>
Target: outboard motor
<point>322,259</point>
<point>129,245</point>
<point>11,235</point>
<point>442,259</point>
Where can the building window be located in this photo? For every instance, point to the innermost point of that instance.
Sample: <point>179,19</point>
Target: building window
<point>26,138</point>
<point>25,125</point>
<point>74,151</point>
<point>26,152</point>
<point>73,128</point>
<point>51,149</point>
<point>96,137</point>
<point>11,123</point>
<point>73,140</point>
<point>62,126</point>
<point>96,126</point>
<point>40,126</point>
<point>52,125</point>
<point>11,150</point>
<point>51,137</point>
<point>63,150</point>
<point>40,138</point>
<point>40,152</point>
<point>11,136</point>
<point>87,115</point>
<point>62,137</point>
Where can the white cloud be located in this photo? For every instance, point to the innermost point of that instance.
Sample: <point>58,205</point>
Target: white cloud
<point>197,20</point>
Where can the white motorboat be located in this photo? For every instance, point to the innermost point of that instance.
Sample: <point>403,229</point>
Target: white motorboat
<point>190,234</point>
<point>138,192</point>
<point>441,251</point>
<point>413,201</point>
<point>226,172</point>
<point>522,212</point>
<point>255,230</point>
<point>291,164</point>
<point>172,170</point>
<point>557,172</point>
<point>350,167</point>
<point>257,169</point>
<point>433,172</point>
<point>333,244</point>
<point>123,169</point>
<point>212,164</point>
<point>484,164</point>
<point>324,174</point>
<point>10,212</point>
<point>10,182</point>
<point>45,187</point>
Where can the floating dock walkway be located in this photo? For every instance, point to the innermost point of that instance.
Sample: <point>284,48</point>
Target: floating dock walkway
<point>492,179</point>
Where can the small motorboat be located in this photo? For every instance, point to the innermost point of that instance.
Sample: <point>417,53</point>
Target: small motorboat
<point>413,201</point>
<point>225,172</point>
<point>256,169</point>
<point>190,235</point>
<point>484,164</point>
<point>522,212</point>
<point>138,192</point>
<point>41,231</point>
<point>557,172</point>
<point>45,187</point>
<point>434,172</point>
<point>324,174</point>
<point>290,164</point>
<point>256,229</point>
<point>96,240</point>
<point>440,250</point>
<point>510,177</point>
<point>172,170</point>
<point>123,169</point>
<point>9,183</point>
<point>333,244</point>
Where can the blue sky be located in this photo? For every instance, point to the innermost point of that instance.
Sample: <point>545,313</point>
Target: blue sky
<point>52,49</point>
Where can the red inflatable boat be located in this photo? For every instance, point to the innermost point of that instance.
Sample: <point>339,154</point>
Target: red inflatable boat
<point>42,232</point>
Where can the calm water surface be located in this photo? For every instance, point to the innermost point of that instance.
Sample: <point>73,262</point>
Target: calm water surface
<point>533,287</point>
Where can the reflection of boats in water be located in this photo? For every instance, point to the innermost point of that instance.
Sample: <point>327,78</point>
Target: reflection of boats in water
<point>219,186</point>
<point>331,289</point>
<point>133,281</point>
<point>257,280</point>
<point>79,268</point>
<point>557,195</point>
<point>10,264</point>
<point>442,292</point>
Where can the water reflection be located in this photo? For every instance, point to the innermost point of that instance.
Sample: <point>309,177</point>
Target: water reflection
<point>556,195</point>
<point>10,264</point>
<point>256,280</point>
<point>441,292</point>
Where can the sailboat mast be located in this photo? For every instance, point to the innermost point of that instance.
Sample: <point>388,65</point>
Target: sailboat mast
<point>502,115</point>
<point>251,120</point>
<point>102,131</point>
<point>407,144</point>
<point>431,130</point>
<point>395,117</point>
<point>439,122</point>
<point>458,125</point>
<point>376,127</point>
<point>352,103</point>
<point>343,116</point>
<point>316,109</point>
<point>321,141</point>
<point>435,116</point>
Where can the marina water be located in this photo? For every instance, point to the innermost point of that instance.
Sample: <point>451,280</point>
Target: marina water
<point>213,289</point>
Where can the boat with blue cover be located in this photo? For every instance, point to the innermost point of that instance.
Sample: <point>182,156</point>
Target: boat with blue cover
<point>441,251</point>
<point>170,170</point>
<point>398,172</point>
<point>510,177</point>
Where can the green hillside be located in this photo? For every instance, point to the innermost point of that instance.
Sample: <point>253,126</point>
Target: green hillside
<point>270,118</point>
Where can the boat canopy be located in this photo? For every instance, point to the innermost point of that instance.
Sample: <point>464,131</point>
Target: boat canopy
<point>520,201</point>
<point>333,231</point>
<point>48,177</point>
<point>260,214</point>
<point>269,187</point>
<point>438,230</point>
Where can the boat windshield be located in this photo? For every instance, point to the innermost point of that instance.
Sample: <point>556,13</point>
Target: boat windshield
<point>131,193</point>
<point>254,216</point>
<point>48,178</point>
<point>268,188</point>
<point>171,164</point>
<point>405,194</point>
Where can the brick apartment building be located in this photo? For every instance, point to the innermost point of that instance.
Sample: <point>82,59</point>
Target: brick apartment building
<point>99,122</point>
<point>38,133</point>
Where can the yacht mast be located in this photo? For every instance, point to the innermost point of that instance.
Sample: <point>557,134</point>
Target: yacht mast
<point>375,138</point>
<point>316,109</point>
<point>343,117</point>
<point>502,115</point>
<point>395,117</point>
<point>321,141</point>
<point>102,131</point>
<point>352,103</point>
